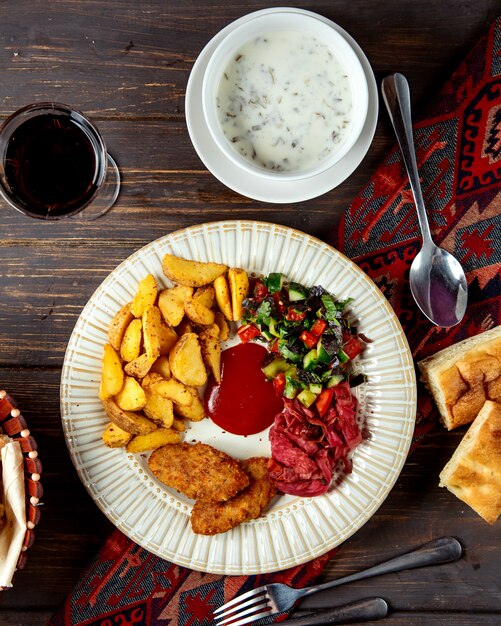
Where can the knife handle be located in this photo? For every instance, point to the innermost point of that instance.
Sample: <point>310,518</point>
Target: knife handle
<point>362,610</point>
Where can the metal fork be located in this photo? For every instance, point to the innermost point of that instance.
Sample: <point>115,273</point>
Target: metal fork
<point>269,600</point>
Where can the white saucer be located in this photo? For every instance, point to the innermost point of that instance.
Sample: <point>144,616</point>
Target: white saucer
<point>254,186</point>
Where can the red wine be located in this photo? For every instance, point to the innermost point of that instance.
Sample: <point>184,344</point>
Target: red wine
<point>52,164</point>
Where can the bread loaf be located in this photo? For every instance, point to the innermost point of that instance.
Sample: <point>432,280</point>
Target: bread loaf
<point>474,472</point>
<point>462,377</point>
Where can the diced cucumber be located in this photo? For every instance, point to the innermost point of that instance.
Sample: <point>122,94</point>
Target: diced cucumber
<point>315,388</point>
<point>297,292</point>
<point>334,380</point>
<point>266,333</point>
<point>275,367</point>
<point>273,327</point>
<point>342,356</point>
<point>292,386</point>
<point>310,360</point>
<point>323,356</point>
<point>307,398</point>
<point>275,282</point>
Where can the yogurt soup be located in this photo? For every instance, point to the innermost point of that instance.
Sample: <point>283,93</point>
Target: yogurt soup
<point>284,101</point>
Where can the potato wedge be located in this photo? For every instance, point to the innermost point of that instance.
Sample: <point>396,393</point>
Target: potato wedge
<point>198,313</point>
<point>150,378</point>
<point>161,366</point>
<point>146,295</point>
<point>184,327</point>
<point>168,338</point>
<point>178,424</point>
<point>118,324</point>
<point>223,296</point>
<point>115,437</point>
<point>152,320</point>
<point>173,390</point>
<point>113,375</point>
<point>130,348</point>
<point>195,411</point>
<point>224,328</point>
<point>171,303</point>
<point>205,295</point>
<point>211,350</point>
<point>191,273</point>
<point>131,397</point>
<point>139,367</point>
<point>239,288</point>
<point>160,437</point>
<point>134,423</point>
<point>186,363</point>
<point>158,409</point>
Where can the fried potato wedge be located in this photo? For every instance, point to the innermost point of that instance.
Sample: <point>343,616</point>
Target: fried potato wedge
<point>146,295</point>
<point>130,347</point>
<point>161,366</point>
<point>131,397</point>
<point>171,303</point>
<point>198,313</point>
<point>239,289</point>
<point>185,326</point>
<point>205,295</point>
<point>152,320</point>
<point>114,437</point>
<point>224,329</point>
<point>118,324</point>
<point>139,367</point>
<point>194,412</point>
<point>158,408</point>
<point>211,350</point>
<point>168,338</point>
<point>173,390</point>
<point>134,423</point>
<point>191,273</point>
<point>178,424</point>
<point>154,440</point>
<point>223,296</point>
<point>113,375</point>
<point>186,363</point>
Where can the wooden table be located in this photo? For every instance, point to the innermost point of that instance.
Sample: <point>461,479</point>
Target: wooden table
<point>126,64</point>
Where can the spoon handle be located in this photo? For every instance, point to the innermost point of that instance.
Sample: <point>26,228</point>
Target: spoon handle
<point>396,95</point>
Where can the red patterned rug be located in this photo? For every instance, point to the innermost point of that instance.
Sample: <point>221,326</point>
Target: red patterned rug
<point>458,142</point>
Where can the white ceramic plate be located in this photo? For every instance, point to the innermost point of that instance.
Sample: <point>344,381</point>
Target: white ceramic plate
<point>257,187</point>
<point>295,529</point>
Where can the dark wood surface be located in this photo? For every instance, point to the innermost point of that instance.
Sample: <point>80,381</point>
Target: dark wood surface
<point>126,64</point>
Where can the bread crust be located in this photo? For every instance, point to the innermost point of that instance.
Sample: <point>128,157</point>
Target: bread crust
<point>474,472</point>
<point>462,377</point>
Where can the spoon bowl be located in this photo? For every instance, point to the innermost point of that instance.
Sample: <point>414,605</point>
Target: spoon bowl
<point>437,280</point>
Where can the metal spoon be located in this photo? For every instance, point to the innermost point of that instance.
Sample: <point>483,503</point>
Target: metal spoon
<point>437,280</point>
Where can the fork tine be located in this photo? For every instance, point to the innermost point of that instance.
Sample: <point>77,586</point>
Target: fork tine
<point>250,618</point>
<point>238,599</point>
<point>239,607</point>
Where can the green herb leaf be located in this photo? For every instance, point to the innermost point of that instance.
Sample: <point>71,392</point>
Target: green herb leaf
<point>264,313</point>
<point>330,307</point>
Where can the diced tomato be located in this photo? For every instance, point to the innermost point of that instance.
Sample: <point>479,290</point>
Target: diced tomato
<point>318,327</point>
<point>278,302</point>
<point>279,383</point>
<point>248,332</point>
<point>324,399</point>
<point>308,338</point>
<point>354,347</point>
<point>295,316</point>
<point>260,291</point>
<point>273,347</point>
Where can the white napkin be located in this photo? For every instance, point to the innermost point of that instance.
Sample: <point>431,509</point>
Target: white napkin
<point>12,533</point>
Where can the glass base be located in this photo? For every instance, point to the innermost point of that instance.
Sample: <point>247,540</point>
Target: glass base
<point>106,196</point>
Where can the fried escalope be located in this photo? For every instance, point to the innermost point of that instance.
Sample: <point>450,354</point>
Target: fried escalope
<point>211,518</point>
<point>198,470</point>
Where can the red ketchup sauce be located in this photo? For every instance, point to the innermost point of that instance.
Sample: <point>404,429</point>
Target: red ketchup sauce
<point>244,403</point>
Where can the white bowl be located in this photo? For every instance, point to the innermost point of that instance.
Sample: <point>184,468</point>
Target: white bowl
<point>267,24</point>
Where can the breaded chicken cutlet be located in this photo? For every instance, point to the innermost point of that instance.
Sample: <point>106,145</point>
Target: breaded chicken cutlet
<point>198,470</point>
<point>211,518</point>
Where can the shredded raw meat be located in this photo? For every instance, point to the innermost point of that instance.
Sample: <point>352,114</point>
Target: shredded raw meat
<point>305,446</point>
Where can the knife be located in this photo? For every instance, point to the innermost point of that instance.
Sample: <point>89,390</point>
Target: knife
<point>362,610</point>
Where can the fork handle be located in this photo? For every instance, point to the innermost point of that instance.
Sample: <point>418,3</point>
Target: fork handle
<point>443,550</point>
<point>359,611</point>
